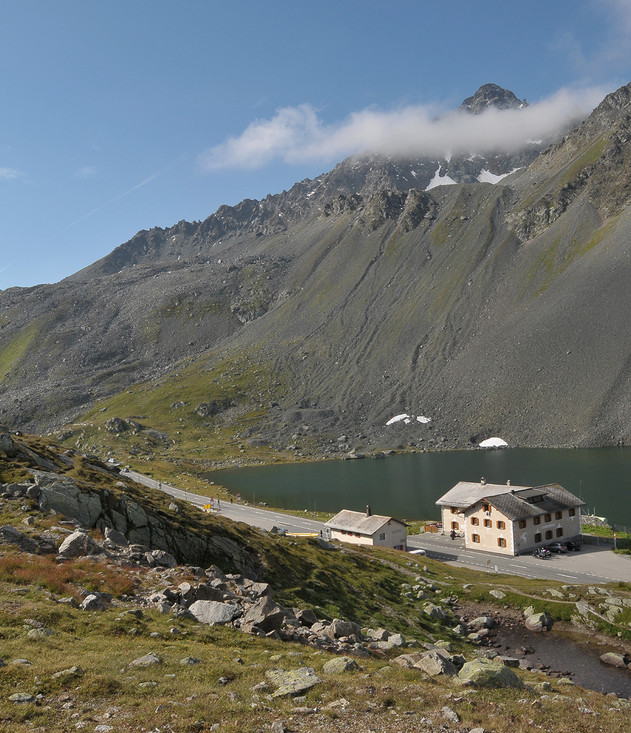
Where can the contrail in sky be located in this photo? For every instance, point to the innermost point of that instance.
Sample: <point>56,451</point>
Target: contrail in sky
<point>120,196</point>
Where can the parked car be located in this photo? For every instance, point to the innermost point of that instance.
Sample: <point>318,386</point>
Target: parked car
<point>556,547</point>
<point>572,546</point>
<point>418,552</point>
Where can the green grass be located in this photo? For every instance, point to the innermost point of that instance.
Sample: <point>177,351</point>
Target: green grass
<point>194,444</point>
<point>11,353</point>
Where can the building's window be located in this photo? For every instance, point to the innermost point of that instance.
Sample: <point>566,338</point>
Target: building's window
<point>501,525</point>
<point>382,535</point>
<point>522,524</point>
<point>558,515</point>
<point>455,525</point>
<point>572,512</point>
<point>486,507</point>
<point>538,537</point>
<point>343,531</point>
<point>475,538</point>
<point>475,520</point>
<point>547,517</point>
<point>501,542</point>
<point>358,535</point>
<point>537,520</point>
<point>549,534</point>
<point>454,510</point>
<point>488,523</point>
<point>560,532</point>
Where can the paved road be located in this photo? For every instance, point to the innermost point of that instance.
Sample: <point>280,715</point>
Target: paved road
<point>263,518</point>
<point>591,565</point>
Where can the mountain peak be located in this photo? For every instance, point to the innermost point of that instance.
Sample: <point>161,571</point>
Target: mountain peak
<point>491,95</point>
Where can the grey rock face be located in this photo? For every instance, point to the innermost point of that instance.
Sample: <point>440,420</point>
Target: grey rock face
<point>491,95</point>
<point>65,497</point>
<point>10,535</point>
<point>7,446</point>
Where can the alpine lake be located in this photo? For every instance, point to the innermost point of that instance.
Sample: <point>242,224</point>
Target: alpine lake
<point>407,486</point>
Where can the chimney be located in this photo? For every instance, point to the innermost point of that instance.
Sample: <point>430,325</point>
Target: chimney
<point>483,481</point>
<point>368,510</point>
<point>508,482</point>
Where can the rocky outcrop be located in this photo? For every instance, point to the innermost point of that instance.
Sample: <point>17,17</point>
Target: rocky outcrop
<point>129,525</point>
<point>7,447</point>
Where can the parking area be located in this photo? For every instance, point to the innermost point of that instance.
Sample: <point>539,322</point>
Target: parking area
<point>594,563</point>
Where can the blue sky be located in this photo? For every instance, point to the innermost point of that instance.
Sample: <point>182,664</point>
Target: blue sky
<point>127,114</point>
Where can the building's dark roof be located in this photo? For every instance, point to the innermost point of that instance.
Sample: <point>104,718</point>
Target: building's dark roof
<point>515,502</point>
<point>466,493</point>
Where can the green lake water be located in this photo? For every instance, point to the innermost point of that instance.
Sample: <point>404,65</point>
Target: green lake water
<point>407,486</point>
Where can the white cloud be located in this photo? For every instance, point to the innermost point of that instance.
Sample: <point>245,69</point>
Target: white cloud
<point>9,174</point>
<point>609,57</point>
<point>296,134</point>
<point>88,171</point>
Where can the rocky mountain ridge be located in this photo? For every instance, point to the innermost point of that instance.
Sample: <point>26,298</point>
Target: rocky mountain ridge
<point>492,309</point>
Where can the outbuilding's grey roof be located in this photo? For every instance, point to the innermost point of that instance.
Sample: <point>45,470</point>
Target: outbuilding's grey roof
<point>359,522</point>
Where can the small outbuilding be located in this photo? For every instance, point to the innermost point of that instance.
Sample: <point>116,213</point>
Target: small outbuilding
<point>366,528</point>
<point>510,519</point>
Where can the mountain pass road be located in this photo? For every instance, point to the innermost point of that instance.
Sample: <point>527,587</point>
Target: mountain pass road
<point>592,565</point>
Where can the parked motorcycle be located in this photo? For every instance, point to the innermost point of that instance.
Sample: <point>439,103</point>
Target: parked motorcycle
<point>541,553</point>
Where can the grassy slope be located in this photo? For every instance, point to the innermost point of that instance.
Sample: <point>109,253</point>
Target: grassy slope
<point>364,585</point>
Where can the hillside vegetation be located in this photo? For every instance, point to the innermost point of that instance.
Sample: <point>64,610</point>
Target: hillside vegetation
<point>90,641</point>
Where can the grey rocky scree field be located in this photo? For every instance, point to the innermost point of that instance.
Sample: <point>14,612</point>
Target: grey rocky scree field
<point>325,310</point>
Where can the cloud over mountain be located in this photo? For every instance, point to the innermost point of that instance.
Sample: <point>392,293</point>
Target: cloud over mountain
<point>296,134</point>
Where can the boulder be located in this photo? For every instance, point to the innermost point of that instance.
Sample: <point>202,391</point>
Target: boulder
<point>93,603</point>
<point>340,664</point>
<point>612,659</point>
<point>306,616</point>
<point>213,612</point>
<point>539,622</point>
<point>488,673</point>
<point>146,661</point>
<point>208,592</point>
<point>338,628</point>
<point>435,612</point>
<point>78,544</point>
<point>482,622</point>
<point>266,615</point>
<point>434,663</point>
<point>292,682</point>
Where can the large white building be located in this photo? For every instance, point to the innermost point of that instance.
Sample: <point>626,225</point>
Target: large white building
<point>366,528</point>
<point>510,519</point>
